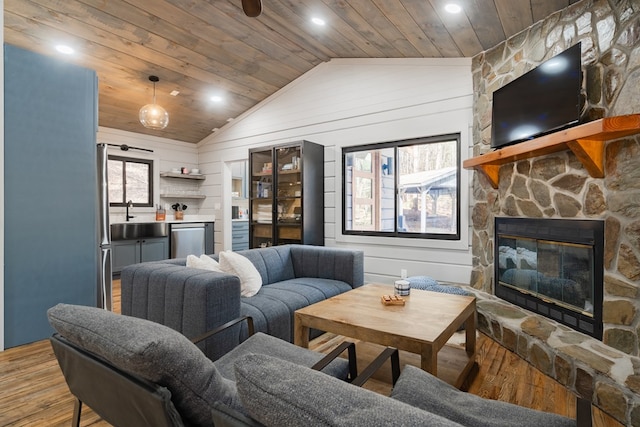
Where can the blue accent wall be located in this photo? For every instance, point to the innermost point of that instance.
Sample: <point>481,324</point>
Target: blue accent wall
<point>51,252</point>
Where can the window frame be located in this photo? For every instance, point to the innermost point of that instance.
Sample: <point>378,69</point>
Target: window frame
<point>396,233</point>
<point>125,160</point>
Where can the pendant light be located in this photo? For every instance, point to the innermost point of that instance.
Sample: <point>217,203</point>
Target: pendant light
<point>152,115</point>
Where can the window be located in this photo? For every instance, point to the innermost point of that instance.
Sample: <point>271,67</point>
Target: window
<point>406,188</point>
<point>130,179</point>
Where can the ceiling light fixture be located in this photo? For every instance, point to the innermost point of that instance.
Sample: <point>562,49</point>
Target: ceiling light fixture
<point>67,50</point>
<point>453,8</point>
<point>217,98</point>
<point>153,116</point>
<point>318,21</point>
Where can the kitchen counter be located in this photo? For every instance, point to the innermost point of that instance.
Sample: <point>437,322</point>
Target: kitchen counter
<point>169,219</point>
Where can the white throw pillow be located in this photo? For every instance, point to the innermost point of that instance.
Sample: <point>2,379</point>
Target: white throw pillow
<point>203,263</point>
<point>238,265</point>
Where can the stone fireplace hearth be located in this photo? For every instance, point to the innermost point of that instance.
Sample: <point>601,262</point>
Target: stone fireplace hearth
<point>558,186</point>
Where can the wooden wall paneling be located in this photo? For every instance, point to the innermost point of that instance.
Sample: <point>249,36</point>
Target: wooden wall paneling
<point>459,28</point>
<point>485,21</point>
<point>514,15</point>
<point>398,15</point>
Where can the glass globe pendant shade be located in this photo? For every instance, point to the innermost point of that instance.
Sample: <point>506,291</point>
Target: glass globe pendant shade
<point>153,116</point>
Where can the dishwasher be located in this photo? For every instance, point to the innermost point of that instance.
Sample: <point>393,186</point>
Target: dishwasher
<point>187,239</point>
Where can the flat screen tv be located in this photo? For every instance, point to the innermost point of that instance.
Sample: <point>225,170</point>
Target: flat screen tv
<point>541,101</point>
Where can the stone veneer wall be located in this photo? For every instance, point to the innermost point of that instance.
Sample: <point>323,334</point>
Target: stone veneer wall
<point>557,186</point>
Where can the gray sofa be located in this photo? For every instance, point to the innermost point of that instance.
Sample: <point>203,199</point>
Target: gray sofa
<point>194,301</point>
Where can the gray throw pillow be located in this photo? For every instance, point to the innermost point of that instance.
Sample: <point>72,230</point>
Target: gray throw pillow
<point>280,393</point>
<point>422,390</point>
<point>151,351</point>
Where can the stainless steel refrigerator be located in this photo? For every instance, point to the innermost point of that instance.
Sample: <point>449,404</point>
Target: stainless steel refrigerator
<point>105,296</point>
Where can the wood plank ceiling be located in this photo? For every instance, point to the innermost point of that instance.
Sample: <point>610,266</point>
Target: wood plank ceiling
<point>203,48</point>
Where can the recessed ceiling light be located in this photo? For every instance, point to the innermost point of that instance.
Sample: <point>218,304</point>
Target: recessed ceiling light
<point>174,92</point>
<point>318,21</point>
<point>67,50</point>
<point>453,8</point>
<point>216,98</point>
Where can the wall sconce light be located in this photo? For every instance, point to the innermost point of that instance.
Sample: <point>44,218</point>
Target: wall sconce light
<point>152,115</point>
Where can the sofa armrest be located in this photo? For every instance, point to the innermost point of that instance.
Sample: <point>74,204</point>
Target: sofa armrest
<point>190,301</point>
<point>346,265</point>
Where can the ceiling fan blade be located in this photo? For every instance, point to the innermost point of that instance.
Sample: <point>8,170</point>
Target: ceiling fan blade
<point>252,8</point>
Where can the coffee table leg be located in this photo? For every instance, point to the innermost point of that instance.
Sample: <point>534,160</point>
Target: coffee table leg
<point>470,334</point>
<point>429,360</point>
<point>300,334</point>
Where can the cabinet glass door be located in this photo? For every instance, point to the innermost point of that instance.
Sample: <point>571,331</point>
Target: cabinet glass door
<point>261,193</point>
<point>289,195</point>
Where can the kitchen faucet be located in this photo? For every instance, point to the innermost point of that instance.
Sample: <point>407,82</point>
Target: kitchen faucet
<point>129,205</point>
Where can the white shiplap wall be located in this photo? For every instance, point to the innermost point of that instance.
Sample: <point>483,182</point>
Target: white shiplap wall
<point>350,102</point>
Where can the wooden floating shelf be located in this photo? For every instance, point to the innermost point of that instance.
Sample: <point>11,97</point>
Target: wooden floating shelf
<point>183,196</point>
<point>586,141</point>
<point>182,176</point>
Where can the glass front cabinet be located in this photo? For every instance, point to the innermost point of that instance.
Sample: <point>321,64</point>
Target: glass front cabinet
<point>287,195</point>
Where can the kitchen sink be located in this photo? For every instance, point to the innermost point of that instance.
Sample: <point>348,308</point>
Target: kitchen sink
<point>138,230</point>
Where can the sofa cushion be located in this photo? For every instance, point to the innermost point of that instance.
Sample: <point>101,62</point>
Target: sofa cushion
<point>203,262</point>
<point>238,265</point>
<point>151,351</point>
<point>273,263</point>
<point>265,344</point>
<point>422,390</point>
<point>272,307</point>
<point>280,393</point>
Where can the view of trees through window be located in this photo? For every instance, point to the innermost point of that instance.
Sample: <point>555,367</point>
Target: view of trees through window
<point>130,179</point>
<point>405,187</point>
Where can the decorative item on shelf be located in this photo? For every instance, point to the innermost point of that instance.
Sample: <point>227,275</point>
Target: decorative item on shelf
<point>153,116</point>
<point>185,170</point>
<point>179,208</point>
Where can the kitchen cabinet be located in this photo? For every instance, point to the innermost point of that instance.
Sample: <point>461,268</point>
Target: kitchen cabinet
<point>240,235</point>
<point>286,195</point>
<point>127,252</point>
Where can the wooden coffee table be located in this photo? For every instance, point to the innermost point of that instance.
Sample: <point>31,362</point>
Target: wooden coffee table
<point>423,325</point>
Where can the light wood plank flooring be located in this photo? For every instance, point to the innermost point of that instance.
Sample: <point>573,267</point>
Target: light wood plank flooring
<point>33,392</point>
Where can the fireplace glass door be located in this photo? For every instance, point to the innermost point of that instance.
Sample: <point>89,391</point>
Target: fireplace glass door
<point>558,272</point>
<point>553,267</point>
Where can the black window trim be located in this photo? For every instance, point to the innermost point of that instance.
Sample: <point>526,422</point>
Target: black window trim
<point>395,145</point>
<point>125,160</point>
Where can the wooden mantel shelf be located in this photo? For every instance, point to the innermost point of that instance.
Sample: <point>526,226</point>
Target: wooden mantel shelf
<point>587,142</point>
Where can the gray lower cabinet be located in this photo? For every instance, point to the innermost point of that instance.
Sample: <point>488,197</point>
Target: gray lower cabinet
<point>127,252</point>
<point>240,235</point>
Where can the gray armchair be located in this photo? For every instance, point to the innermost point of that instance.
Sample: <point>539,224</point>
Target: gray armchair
<point>278,393</point>
<point>134,372</point>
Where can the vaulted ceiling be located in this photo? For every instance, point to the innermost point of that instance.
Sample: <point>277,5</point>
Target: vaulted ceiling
<point>202,48</point>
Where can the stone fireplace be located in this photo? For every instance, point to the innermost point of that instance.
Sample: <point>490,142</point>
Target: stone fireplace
<point>557,186</point>
<point>552,267</point>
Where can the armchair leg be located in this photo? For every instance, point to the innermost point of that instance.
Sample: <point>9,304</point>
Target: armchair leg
<point>388,353</point>
<point>351,352</point>
<point>77,409</point>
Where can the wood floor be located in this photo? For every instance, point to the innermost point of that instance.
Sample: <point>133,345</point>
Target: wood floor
<point>33,392</point>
